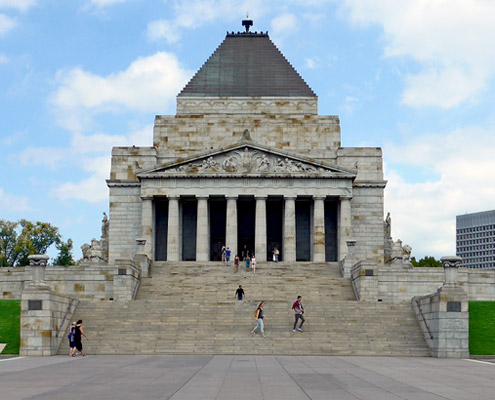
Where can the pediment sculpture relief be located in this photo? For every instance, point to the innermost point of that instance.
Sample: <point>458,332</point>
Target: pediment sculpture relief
<point>247,161</point>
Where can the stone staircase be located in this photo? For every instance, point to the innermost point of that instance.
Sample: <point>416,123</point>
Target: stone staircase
<point>190,308</point>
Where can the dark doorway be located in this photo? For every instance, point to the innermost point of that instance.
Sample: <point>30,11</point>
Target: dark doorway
<point>161,229</point>
<point>303,230</point>
<point>218,207</point>
<point>246,212</point>
<point>331,207</point>
<point>274,225</point>
<point>189,220</point>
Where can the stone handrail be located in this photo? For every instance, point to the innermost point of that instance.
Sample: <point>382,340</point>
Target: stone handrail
<point>423,317</point>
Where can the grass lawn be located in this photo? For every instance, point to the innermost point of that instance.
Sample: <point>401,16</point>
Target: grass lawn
<point>482,327</point>
<point>10,325</point>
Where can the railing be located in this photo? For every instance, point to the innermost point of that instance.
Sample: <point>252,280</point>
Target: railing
<point>424,319</point>
<point>134,291</point>
<point>67,312</point>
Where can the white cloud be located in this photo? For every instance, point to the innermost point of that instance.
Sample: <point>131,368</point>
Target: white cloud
<point>192,14</point>
<point>162,29</point>
<point>106,3</point>
<point>450,39</point>
<point>424,212</point>
<point>42,156</point>
<point>92,190</point>
<point>6,24</point>
<point>283,26</point>
<point>149,84</point>
<point>21,5</point>
<point>10,202</point>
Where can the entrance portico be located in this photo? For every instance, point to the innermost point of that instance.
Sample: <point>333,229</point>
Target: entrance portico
<point>247,195</point>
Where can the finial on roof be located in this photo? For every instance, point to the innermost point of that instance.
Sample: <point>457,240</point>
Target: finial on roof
<point>247,23</point>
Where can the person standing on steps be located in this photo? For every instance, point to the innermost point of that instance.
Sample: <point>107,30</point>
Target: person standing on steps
<point>78,333</point>
<point>299,311</point>
<point>275,255</point>
<point>236,263</point>
<point>239,293</point>
<point>259,314</point>
<point>248,261</point>
<point>253,264</point>
<point>223,253</point>
<point>244,253</point>
<point>227,255</point>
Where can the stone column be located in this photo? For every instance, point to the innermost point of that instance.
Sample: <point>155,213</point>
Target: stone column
<point>147,226</point>
<point>344,226</point>
<point>173,229</point>
<point>289,245</point>
<point>319,229</point>
<point>231,226</point>
<point>202,242</point>
<point>260,229</point>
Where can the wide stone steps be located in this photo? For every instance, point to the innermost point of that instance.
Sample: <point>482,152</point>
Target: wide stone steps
<point>190,308</point>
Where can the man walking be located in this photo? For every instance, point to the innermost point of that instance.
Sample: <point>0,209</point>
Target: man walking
<point>299,311</point>
<point>239,293</point>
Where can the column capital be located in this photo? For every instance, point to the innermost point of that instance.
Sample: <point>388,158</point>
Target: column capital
<point>262,197</point>
<point>345,197</point>
<point>202,197</point>
<point>319,197</point>
<point>147,198</point>
<point>290,197</point>
<point>233,197</point>
<point>173,197</point>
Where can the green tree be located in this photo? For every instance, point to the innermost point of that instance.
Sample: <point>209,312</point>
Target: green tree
<point>64,253</point>
<point>8,241</point>
<point>33,238</point>
<point>427,261</point>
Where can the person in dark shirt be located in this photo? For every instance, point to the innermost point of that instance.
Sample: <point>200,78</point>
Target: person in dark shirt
<point>239,293</point>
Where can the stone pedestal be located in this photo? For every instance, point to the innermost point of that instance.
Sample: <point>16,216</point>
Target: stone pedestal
<point>45,316</point>
<point>126,280</point>
<point>444,315</point>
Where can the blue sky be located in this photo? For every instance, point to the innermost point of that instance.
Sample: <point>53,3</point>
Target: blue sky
<point>414,77</point>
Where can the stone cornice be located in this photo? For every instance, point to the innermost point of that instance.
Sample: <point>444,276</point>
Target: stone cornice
<point>376,184</point>
<point>121,183</point>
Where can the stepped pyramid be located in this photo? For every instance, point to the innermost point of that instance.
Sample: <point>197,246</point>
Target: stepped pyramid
<point>190,308</point>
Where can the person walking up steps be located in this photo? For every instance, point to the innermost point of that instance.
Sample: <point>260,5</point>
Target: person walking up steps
<point>259,314</point>
<point>299,311</point>
<point>239,293</point>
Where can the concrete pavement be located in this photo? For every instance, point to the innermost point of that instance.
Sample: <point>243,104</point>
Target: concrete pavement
<point>245,377</point>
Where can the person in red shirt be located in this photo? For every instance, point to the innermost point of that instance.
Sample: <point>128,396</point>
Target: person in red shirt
<point>299,311</point>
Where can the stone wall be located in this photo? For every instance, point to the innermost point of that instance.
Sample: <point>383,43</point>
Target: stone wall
<point>81,282</point>
<point>125,222</point>
<point>184,136</point>
<point>397,284</point>
<point>44,327</point>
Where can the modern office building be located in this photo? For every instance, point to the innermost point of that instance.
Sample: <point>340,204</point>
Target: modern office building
<point>475,239</point>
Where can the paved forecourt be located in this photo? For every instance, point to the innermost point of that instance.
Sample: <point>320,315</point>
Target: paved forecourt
<point>245,377</point>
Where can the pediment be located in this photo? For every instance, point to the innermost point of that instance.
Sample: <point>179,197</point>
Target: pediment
<point>248,159</point>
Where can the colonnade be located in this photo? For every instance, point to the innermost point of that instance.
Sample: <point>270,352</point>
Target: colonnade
<point>231,231</point>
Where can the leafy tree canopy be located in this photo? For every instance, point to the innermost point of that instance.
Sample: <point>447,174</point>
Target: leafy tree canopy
<point>18,240</point>
<point>427,261</point>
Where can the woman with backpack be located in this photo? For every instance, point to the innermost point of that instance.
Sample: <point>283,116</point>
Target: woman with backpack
<point>78,334</point>
<point>259,314</point>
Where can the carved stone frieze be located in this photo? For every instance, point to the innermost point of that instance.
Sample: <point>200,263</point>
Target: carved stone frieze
<point>247,161</point>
